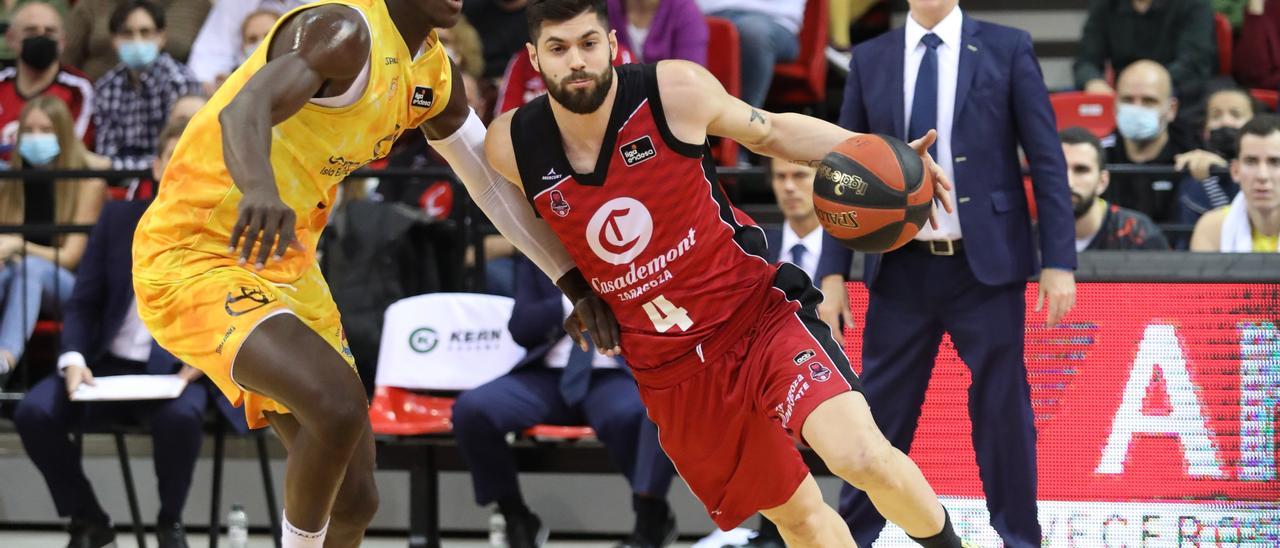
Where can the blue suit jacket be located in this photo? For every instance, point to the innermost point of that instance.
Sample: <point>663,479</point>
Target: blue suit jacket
<point>537,320</point>
<point>1001,103</point>
<point>104,292</point>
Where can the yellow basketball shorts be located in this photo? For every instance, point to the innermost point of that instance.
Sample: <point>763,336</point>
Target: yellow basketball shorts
<point>203,320</point>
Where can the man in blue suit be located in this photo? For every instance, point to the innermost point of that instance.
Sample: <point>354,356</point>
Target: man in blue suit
<point>980,85</point>
<point>559,383</point>
<point>102,336</point>
<point>799,240</point>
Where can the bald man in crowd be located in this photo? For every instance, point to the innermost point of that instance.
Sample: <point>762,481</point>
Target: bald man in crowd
<point>1145,134</point>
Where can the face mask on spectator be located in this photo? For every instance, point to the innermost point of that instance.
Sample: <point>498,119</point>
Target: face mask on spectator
<point>138,54</point>
<point>39,51</point>
<point>39,148</point>
<point>1224,142</point>
<point>1137,123</point>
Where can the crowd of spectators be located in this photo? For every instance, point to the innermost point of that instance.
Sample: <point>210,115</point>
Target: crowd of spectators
<point>92,84</point>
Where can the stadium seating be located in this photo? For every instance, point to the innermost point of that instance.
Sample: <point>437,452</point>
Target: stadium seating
<point>1222,35</point>
<point>1268,97</point>
<point>1093,112</point>
<point>724,60</point>
<point>803,82</point>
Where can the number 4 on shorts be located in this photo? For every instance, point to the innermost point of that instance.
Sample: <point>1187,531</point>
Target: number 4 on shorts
<point>666,315</point>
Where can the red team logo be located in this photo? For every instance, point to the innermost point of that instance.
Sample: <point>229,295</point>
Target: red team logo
<point>819,372</point>
<point>558,204</point>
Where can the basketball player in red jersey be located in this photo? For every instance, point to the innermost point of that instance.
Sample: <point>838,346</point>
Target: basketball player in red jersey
<point>732,361</point>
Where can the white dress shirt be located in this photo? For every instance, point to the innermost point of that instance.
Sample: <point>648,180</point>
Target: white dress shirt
<point>812,246</point>
<point>132,342</point>
<point>558,356</point>
<point>217,48</point>
<point>950,30</point>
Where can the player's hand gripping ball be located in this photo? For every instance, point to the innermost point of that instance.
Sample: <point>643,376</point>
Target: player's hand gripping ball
<point>873,193</point>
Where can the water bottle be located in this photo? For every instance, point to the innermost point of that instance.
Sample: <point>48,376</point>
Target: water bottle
<point>237,527</point>
<point>497,530</point>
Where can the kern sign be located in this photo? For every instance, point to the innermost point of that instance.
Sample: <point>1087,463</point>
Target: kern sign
<point>1156,408</point>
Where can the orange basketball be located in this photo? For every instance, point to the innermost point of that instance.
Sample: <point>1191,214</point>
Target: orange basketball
<point>872,193</point>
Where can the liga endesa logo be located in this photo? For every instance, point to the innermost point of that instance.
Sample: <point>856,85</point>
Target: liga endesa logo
<point>1155,423</point>
<point>620,230</point>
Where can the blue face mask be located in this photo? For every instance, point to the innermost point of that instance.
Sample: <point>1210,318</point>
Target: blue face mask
<point>138,54</point>
<point>1137,123</point>
<point>38,148</point>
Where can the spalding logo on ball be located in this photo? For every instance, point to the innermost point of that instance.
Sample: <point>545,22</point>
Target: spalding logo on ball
<point>872,193</point>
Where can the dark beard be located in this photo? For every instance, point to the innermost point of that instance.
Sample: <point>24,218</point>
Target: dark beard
<point>1081,208</point>
<point>581,101</point>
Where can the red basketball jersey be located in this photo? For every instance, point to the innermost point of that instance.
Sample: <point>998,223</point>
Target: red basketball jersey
<point>650,228</point>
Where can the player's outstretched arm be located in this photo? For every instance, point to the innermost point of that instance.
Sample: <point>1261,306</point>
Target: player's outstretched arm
<point>319,45</point>
<point>459,136</point>
<point>697,105</point>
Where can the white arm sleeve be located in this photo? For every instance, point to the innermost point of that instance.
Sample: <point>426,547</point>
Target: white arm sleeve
<point>502,201</point>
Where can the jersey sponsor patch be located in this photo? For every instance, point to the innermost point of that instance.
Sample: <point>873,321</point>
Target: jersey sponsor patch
<point>423,96</point>
<point>638,151</point>
<point>804,356</point>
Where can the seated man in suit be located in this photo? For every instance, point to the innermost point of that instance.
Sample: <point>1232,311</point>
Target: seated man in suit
<point>559,383</point>
<point>103,336</point>
<point>799,240</point>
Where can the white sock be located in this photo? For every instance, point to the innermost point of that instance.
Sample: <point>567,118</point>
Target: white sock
<point>293,537</point>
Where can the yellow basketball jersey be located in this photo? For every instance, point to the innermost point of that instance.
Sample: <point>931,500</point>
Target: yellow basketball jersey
<point>186,230</point>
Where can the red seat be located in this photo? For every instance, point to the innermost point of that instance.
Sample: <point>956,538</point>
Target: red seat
<point>724,60</point>
<point>399,412</point>
<point>560,433</point>
<point>117,193</point>
<point>1093,112</point>
<point>1269,97</point>
<point>804,81</point>
<point>47,328</point>
<point>1222,34</point>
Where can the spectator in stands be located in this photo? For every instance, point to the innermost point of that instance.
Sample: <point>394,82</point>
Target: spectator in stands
<point>1257,52</point>
<point>257,25</point>
<point>660,29</point>
<point>90,42</point>
<point>132,102</point>
<point>102,336</point>
<point>9,7</point>
<point>798,241</point>
<point>559,383</point>
<point>1145,135</point>
<point>35,270</point>
<point>186,107</point>
<point>463,45</point>
<point>220,46</point>
<point>769,32</point>
<point>1175,33</point>
<point>1100,225</point>
<point>1226,111</point>
<point>842,15</point>
<point>36,33</point>
<point>1252,222</point>
<point>502,28</point>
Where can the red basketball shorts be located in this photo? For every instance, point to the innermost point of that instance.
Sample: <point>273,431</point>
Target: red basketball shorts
<point>731,428</point>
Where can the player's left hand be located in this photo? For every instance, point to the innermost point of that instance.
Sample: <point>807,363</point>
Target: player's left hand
<point>1058,286</point>
<point>592,315</point>
<point>941,183</point>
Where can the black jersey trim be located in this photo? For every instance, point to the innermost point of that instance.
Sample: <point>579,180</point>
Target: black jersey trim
<point>749,238</point>
<point>796,286</point>
<point>682,148</point>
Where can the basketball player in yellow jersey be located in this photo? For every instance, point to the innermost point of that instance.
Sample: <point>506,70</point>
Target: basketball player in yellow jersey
<point>225,272</point>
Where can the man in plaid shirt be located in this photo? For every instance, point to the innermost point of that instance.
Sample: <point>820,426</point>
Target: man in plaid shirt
<point>132,101</point>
